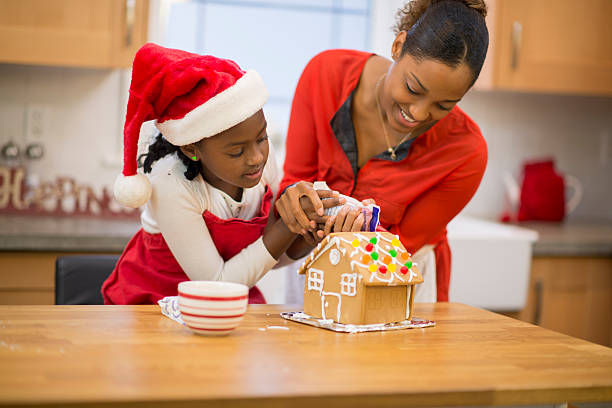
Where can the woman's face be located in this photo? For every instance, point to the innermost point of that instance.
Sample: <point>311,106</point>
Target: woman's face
<point>418,93</point>
<point>235,158</point>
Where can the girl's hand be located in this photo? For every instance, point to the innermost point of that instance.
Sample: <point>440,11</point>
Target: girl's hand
<point>289,207</point>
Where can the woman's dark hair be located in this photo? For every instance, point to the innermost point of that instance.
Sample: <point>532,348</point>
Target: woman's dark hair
<point>449,31</point>
<point>161,148</point>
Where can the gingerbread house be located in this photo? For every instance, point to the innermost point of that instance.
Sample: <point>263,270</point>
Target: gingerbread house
<point>360,278</point>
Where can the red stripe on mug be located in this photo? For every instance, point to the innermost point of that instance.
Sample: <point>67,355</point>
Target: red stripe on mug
<point>211,317</point>
<point>223,299</point>
<point>202,329</point>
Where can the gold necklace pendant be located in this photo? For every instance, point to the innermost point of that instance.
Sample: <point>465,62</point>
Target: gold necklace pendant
<point>390,149</point>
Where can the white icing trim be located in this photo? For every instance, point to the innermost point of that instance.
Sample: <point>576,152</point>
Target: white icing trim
<point>315,282</point>
<point>348,284</point>
<point>221,112</point>
<point>334,256</point>
<point>323,294</point>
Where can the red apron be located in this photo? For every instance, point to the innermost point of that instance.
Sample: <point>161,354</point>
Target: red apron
<point>147,271</point>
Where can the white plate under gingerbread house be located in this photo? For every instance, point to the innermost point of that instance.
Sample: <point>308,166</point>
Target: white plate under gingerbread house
<point>329,324</point>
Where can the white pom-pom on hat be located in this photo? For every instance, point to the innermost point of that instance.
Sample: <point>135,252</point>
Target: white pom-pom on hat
<point>132,191</point>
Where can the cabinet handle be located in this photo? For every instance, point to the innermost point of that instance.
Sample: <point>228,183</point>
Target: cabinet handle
<point>130,12</point>
<point>517,34</point>
<point>537,315</point>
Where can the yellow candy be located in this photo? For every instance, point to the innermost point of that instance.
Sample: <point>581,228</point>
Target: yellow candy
<point>396,242</point>
<point>391,268</point>
<point>372,268</point>
<point>355,243</point>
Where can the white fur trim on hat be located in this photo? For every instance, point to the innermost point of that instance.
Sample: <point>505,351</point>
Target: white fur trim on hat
<point>132,191</point>
<point>224,110</point>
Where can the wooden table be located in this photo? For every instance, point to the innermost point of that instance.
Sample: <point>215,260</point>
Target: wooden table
<point>134,356</point>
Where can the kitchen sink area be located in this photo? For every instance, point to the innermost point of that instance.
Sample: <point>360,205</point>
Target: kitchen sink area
<point>490,263</point>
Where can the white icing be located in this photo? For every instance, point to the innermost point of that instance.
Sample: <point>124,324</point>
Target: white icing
<point>325,304</point>
<point>315,279</point>
<point>398,277</point>
<point>348,284</point>
<point>334,257</point>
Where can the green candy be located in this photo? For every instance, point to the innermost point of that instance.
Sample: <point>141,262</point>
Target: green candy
<point>374,255</point>
<point>373,240</point>
<point>393,253</point>
<point>408,264</point>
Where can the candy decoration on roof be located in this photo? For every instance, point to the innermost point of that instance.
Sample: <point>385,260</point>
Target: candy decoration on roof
<point>374,255</point>
<point>369,247</point>
<point>382,269</point>
<point>355,243</point>
<point>393,253</point>
<point>408,264</point>
<point>404,270</point>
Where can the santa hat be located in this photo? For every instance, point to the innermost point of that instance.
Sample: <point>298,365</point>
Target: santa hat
<point>190,97</point>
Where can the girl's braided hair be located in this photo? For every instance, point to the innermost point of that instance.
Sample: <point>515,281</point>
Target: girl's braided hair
<point>161,148</point>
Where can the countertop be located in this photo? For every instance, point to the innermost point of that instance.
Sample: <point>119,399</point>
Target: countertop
<point>571,238</point>
<point>40,233</point>
<point>109,356</point>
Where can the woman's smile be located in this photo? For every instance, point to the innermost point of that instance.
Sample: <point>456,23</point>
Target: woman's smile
<point>404,118</point>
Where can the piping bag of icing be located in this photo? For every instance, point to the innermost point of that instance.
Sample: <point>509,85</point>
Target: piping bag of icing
<point>370,212</point>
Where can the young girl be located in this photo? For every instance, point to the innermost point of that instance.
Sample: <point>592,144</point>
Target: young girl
<point>212,177</point>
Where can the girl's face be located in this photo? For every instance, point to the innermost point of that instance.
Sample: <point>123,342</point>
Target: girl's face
<point>235,158</point>
<point>418,93</point>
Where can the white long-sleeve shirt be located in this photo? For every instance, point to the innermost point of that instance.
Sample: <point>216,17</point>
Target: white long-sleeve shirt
<point>175,210</point>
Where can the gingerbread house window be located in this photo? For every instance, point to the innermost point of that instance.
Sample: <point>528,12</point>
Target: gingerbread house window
<point>315,279</point>
<point>348,284</point>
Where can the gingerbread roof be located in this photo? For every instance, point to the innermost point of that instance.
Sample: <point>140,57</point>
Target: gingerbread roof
<point>378,257</point>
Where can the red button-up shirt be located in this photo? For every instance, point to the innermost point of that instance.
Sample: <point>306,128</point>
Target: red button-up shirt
<point>419,192</point>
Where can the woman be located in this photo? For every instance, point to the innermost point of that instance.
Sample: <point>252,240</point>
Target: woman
<point>391,130</point>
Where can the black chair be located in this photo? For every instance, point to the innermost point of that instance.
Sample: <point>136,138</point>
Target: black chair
<point>79,278</point>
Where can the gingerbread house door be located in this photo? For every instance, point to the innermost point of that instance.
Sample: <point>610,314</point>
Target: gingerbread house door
<point>330,305</point>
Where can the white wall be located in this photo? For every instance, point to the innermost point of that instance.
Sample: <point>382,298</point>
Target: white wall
<point>574,130</point>
<point>84,113</point>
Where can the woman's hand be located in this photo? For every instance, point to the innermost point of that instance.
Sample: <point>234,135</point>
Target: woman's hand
<point>301,208</point>
<point>347,219</point>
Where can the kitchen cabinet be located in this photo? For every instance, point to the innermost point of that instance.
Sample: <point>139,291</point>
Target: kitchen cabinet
<point>571,295</point>
<point>80,33</point>
<point>29,246</point>
<point>555,47</point>
<point>28,278</point>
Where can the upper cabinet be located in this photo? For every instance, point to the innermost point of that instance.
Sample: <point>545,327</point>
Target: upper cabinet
<point>80,33</point>
<point>560,46</point>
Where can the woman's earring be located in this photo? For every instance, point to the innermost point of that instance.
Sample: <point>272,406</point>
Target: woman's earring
<point>194,158</point>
